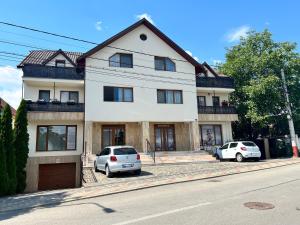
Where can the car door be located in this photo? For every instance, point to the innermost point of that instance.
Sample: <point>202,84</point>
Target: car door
<point>102,158</point>
<point>232,150</point>
<point>224,151</point>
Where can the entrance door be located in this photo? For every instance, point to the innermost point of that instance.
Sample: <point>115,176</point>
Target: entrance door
<point>113,135</point>
<point>164,137</point>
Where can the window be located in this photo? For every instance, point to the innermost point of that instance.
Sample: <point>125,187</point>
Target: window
<point>121,60</point>
<point>201,100</point>
<point>118,94</point>
<point>60,63</point>
<point>224,146</point>
<point>249,143</point>
<point>164,63</point>
<point>56,138</point>
<point>66,96</point>
<point>143,37</point>
<point>211,135</point>
<point>216,100</point>
<point>233,145</point>
<point>44,95</point>
<point>169,96</point>
<point>125,151</point>
<point>105,151</point>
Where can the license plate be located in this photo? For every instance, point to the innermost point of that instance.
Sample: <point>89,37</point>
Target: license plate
<point>127,165</point>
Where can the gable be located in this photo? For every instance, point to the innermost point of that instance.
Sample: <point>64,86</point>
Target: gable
<point>59,57</point>
<point>139,26</point>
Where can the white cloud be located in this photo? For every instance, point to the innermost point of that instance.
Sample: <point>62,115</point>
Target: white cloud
<point>191,54</point>
<point>98,25</point>
<point>11,85</point>
<point>146,16</point>
<point>237,33</point>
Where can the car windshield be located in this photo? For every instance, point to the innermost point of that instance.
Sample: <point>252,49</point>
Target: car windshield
<point>248,143</point>
<point>125,151</point>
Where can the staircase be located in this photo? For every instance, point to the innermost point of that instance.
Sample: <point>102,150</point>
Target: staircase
<point>176,157</point>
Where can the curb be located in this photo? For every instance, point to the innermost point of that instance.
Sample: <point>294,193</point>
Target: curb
<point>150,186</point>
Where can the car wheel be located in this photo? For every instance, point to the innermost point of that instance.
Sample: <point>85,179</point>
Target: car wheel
<point>108,173</point>
<point>256,159</point>
<point>138,172</point>
<point>95,167</point>
<point>217,156</point>
<point>239,157</point>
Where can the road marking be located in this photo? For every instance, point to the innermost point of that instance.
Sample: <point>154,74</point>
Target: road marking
<point>163,213</point>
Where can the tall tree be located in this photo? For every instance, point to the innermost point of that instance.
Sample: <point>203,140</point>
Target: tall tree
<point>255,64</point>
<point>3,170</point>
<point>8,148</point>
<point>21,139</point>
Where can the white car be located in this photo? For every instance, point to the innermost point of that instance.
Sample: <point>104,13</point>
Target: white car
<point>114,159</point>
<point>238,150</point>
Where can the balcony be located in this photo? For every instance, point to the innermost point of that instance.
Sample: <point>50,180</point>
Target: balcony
<point>215,82</point>
<point>217,110</point>
<point>52,72</point>
<point>54,107</point>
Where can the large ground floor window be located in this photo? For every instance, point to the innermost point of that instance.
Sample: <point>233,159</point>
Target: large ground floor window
<point>56,138</point>
<point>211,135</point>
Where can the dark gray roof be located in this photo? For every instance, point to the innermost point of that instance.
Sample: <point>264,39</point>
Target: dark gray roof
<point>40,56</point>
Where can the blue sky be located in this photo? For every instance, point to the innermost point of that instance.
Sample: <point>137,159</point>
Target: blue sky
<point>204,28</point>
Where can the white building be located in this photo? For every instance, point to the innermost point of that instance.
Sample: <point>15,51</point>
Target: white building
<point>137,88</point>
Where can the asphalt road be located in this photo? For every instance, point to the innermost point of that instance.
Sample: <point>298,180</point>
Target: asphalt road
<point>214,201</point>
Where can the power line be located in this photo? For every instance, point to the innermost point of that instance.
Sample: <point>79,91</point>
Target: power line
<point>114,70</point>
<point>80,40</point>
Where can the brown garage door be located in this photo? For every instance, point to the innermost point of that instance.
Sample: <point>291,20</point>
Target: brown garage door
<point>56,176</point>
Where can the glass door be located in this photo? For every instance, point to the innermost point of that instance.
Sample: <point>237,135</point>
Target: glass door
<point>113,135</point>
<point>164,137</point>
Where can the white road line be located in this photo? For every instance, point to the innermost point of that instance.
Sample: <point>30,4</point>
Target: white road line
<point>163,213</point>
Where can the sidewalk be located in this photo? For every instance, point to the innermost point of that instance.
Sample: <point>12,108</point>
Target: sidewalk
<point>152,176</point>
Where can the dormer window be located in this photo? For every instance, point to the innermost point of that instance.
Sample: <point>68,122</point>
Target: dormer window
<point>121,60</point>
<point>60,63</point>
<point>164,63</point>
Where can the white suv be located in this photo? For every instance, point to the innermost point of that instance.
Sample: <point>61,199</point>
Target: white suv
<point>238,150</point>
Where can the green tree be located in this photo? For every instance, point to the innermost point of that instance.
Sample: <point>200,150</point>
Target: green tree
<point>255,65</point>
<point>3,170</point>
<point>21,139</point>
<point>8,149</point>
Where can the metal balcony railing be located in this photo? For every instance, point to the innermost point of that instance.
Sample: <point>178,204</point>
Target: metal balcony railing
<point>216,110</point>
<point>217,82</point>
<point>52,72</point>
<point>54,107</point>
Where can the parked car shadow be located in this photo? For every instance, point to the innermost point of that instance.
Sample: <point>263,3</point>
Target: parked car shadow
<point>129,174</point>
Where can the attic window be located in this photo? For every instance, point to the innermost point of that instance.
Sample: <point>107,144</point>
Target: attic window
<point>143,37</point>
<point>60,63</point>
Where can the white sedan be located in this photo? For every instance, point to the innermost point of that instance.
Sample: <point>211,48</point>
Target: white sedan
<point>238,150</point>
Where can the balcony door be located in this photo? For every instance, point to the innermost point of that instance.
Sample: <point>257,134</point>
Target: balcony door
<point>113,135</point>
<point>164,137</point>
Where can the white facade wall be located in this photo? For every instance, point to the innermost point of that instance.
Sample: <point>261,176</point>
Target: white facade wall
<point>59,57</point>
<point>145,106</point>
<point>32,91</point>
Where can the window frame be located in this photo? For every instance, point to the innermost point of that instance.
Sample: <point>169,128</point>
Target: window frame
<point>216,97</point>
<point>165,96</point>
<point>120,63</point>
<point>201,96</point>
<point>214,130</point>
<point>48,91</point>
<point>58,61</point>
<point>164,63</point>
<point>77,92</point>
<point>123,94</point>
<point>47,136</point>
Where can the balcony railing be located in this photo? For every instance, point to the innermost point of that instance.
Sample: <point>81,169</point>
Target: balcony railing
<point>52,72</point>
<point>217,82</point>
<point>216,110</point>
<point>54,107</point>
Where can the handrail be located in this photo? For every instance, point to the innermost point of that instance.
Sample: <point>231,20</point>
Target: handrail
<point>150,150</point>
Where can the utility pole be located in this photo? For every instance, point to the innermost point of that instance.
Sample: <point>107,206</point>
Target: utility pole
<point>289,116</point>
